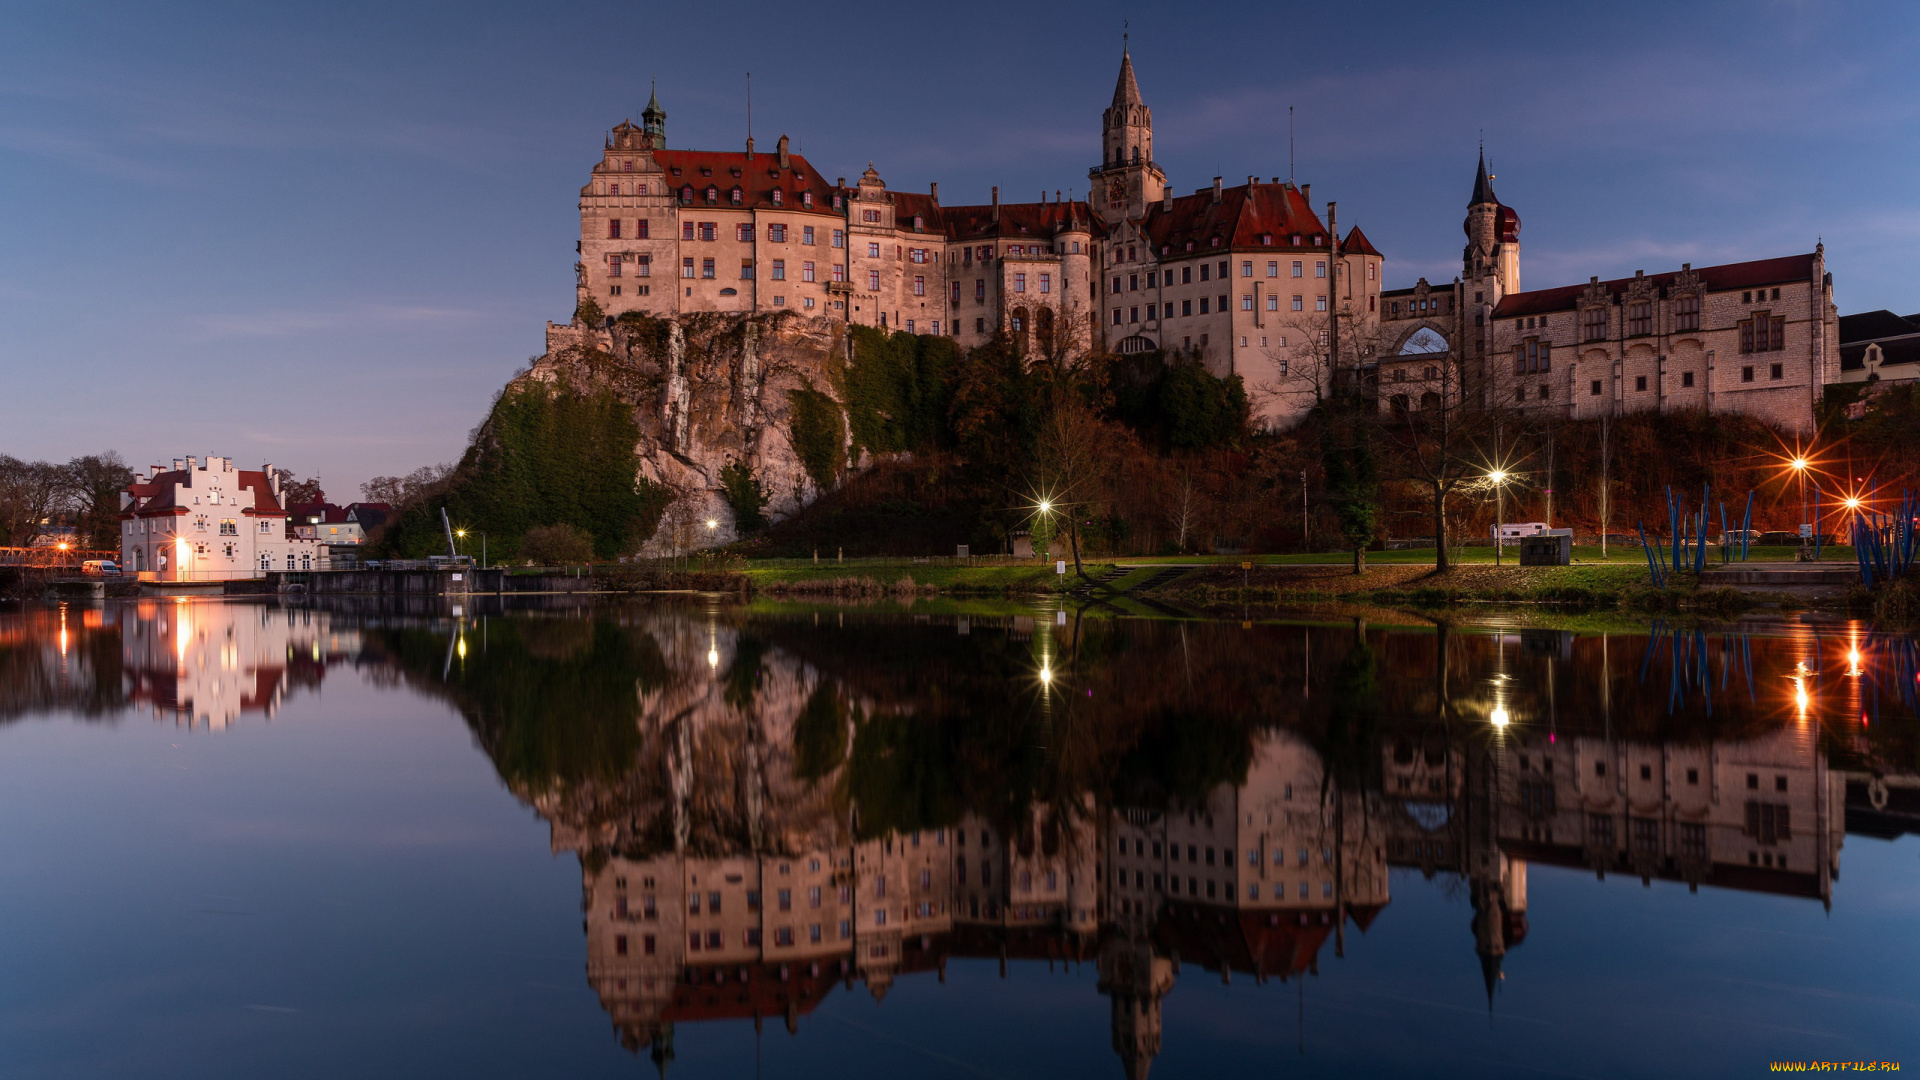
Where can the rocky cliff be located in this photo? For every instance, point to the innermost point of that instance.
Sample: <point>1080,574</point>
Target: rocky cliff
<point>710,390</point>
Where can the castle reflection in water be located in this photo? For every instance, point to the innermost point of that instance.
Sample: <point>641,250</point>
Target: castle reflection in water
<point>766,808</point>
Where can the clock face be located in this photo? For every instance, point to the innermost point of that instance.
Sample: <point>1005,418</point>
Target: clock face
<point>1116,193</point>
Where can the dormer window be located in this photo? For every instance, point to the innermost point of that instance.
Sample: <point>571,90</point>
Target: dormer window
<point>836,202</point>
<point>919,223</point>
<point>1189,245</point>
<point>1166,249</point>
<point>1215,242</point>
<point>778,197</point>
<point>1266,239</point>
<point>806,199</point>
<point>676,170</point>
<point>706,170</point>
<point>686,194</point>
<point>1318,239</point>
<point>734,197</point>
<point>713,194</point>
<point>1296,239</point>
<point>735,171</point>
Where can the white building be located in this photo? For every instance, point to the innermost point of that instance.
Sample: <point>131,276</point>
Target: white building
<point>204,520</point>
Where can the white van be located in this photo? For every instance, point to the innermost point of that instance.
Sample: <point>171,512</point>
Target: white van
<point>102,567</point>
<point>1511,531</point>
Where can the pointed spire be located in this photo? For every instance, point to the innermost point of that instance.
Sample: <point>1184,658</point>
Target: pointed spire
<point>1482,184</point>
<point>1127,90</point>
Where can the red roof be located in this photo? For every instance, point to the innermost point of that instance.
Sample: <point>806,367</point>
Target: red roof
<point>157,495</point>
<point>1357,243</point>
<point>1742,275</point>
<point>756,179</point>
<point>1243,217</point>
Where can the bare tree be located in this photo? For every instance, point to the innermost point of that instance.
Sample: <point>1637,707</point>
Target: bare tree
<point>31,494</point>
<point>1182,510</point>
<point>1603,496</point>
<point>1446,444</point>
<point>1072,465</point>
<point>92,486</point>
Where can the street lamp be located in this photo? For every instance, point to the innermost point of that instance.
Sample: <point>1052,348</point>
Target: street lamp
<point>1498,478</point>
<point>1799,467</point>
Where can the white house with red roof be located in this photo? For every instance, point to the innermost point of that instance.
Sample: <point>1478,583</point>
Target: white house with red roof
<point>204,520</point>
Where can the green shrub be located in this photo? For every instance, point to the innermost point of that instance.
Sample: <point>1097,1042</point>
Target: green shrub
<point>556,545</point>
<point>745,494</point>
<point>819,434</point>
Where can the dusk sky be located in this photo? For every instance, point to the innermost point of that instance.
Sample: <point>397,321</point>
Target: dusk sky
<point>324,235</point>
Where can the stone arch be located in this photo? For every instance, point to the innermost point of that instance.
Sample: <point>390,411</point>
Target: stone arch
<point>1129,346</point>
<point>1429,400</point>
<point>1424,338</point>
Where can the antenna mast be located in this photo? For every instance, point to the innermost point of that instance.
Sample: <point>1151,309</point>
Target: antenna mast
<point>1289,144</point>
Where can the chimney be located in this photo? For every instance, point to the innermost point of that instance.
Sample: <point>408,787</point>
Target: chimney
<point>1306,192</point>
<point>1216,189</point>
<point>1333,225</point>
<point>749,148</point>
<point>1252,180</point>
<point>1166,199</point>
<point>934,191</point>
<point>996,204</point>
<point>1056,194</point>
<point>783,153</point>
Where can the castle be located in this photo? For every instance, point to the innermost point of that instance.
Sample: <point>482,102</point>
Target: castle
<point>1249,279</point>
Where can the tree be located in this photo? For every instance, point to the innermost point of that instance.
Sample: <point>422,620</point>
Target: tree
<point>1353,482</point>
<point>745,495</point>
<point>1603,493</point>
<point>1443,444</point>
<point>30,495</point>
<point>294,491</point>
<point>1072,465</point>
<point>93,485</point>
<point>400,492</point>
<point>556,545</point>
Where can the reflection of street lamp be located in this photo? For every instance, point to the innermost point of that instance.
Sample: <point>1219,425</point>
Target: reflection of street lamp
<point>1500,718</point>
<point>1498,478</point>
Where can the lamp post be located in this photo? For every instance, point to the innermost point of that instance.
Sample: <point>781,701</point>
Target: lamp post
<point>1498,478</point>
<point>1799,465</point>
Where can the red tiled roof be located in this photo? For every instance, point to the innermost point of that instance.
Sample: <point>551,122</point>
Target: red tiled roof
<point>1017,220</point>
<point>1240,219</point>
<point>157,495</point>
<point>263,500</point>
<point>757,180</point>
<point>1742,275</point>
<point>1357,243</point>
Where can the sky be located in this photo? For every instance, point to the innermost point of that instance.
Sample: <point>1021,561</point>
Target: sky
<point>323,236</point>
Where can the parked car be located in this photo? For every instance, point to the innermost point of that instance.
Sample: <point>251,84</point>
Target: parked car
<point>100,567</point>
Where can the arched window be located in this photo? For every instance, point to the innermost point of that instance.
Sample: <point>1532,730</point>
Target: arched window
<point>1136,156</point>
<point>1043,327</point>
<point>1429,400</point>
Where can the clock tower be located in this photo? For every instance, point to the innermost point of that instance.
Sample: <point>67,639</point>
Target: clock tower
<point>1127,179</point>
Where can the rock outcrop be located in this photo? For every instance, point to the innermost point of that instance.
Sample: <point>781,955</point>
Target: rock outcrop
<point>707,390</point>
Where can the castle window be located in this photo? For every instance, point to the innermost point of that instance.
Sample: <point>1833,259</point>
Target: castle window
<point>1299,268</point>
<point>839,238</point>
<point>1205,269</point>
<point>1046,283</point>
<point>734,196</point>
<point>779,269</point>
<point>919,286</point>
<point>686,268</point>
<point>640,229</point>
<point>1319,268</point>
<point>1640,382</point>
<point>839,271</point>
<point>1639,318</point>
<point>1519,393</point>
<point>806,234</point>
<point>777,233</point>
<point>1186,275</point>
<point>1133,282</point>
<point>1593,324</point>
<point>806,271</point>
<point>1019,283</point>
<point>871,217</point>
<point>919,223</point>
<point>686,194</point>
<point>1686,312</point>
<point>1777,371</point>
<point>1596,388</point>
<point>1246,301</point>
<point>1203,305</point>
<point>1273,301</point>
<point>806,199</point>
<point>979,289</point>
<point>644,267</point>
<point>1215,242</point>
<point>1151,310</point>
<point>1296,239</point>
<point>1246,268</point>
<point>1318,239</point>
<point>873,281</point>
<point>1686,378</point>
<point>686,230</point>
<point>1186,307</point>
<point>836,201</point>
<point>1543,392</point>
<point>626,166</point>
<point>706,268</point>
<point>1266,239</point>
<point>743,232</point>
<point>1763,334</point>
<point>613,265</point>
<point>613,229</point>
<point>873,251</point>
<point>779,197</point>
<point>713,194</point>
<point>1320,303</point>
<point>1130,255</point>
<point>1297,302</point>
<point>1166,249</point>
<point>709,230</point>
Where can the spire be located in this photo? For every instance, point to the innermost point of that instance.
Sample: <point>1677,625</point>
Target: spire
<point>654,118</point>
<point>1126,91</point>
<point>1482,184</point>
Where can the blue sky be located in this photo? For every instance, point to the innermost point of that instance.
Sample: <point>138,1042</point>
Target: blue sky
<point>324,235</point>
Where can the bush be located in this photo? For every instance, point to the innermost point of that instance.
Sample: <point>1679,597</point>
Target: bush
<point>555,545</point>
<point>745,494</point>
<point>819,434</point>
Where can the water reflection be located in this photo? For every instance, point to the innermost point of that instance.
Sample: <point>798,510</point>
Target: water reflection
<point>768,807</point>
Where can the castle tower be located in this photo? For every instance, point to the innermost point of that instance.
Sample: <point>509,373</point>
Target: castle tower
<point>1134,978</point>
<point>1126,179</point>
<point>654,122</point>
<point>1492,256</point>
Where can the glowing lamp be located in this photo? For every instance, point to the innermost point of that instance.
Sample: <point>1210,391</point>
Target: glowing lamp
<point>1046,507</point>
<point>1853,504</point>
<point>1798,463</point>
<point>1500,718</point>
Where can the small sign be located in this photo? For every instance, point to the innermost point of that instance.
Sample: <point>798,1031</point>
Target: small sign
<point>457,577</point>
<point>1060,567</point>
<point>1060,617</point>
<point>1246,566</point>
<point>1806,532</point>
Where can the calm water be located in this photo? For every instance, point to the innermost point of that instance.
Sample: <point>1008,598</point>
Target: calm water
<point>242,840</point>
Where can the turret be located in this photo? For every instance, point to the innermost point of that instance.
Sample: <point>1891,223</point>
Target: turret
<point>1126,179</point>
<point>653,122</point>
<point>1493,237</point>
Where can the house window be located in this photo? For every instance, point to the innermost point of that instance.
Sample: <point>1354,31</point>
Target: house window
<point>806,271</point>
<point>1593,324</point>
<point>706,268</point>
<point>777,233</point>
<point>873,281</point>
<point>1046,283</point>
<point>686,268</point>
<point>1639,382</point>
<point>613,229</point>
<point>1776,371</point>
<point>919,286</point>
<point>1319,268</point>
<point>779,269</point>
<point>839,238</point>
<point>1746,373</point>
<point>1686,312</point>
<point>1640,318</point>
<point>1297,299</point>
